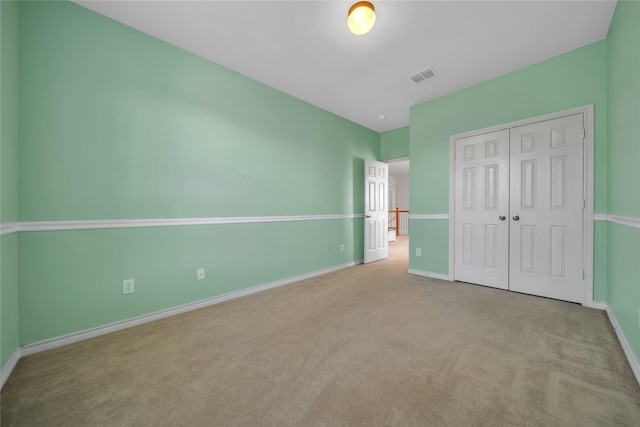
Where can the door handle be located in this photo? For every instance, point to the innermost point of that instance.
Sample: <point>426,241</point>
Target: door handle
<point>502,217</point>
<point>367,216</point>
<point>516,218</point>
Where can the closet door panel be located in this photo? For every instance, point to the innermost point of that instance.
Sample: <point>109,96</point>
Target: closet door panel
<point>546,200</point>
<point>482,198</point>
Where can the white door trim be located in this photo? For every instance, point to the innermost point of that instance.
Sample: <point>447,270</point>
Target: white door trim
<point>587,252</point>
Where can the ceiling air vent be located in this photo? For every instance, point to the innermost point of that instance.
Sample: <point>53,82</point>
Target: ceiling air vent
<point>423,75</point>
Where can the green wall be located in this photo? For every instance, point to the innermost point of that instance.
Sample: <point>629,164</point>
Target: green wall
<point>624,174</point>
<point>569,80</point>
<point>8,179</point>
<point>115,124</point>
<point>394,144</point>
<point>600,265</point>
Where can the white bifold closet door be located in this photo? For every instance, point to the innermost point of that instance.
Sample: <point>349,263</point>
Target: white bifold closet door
<point>547,203</point>
<point>481,209</point>
<point>519,204</point>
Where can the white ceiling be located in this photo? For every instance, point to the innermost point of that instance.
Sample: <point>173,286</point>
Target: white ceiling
<point>304,48</point>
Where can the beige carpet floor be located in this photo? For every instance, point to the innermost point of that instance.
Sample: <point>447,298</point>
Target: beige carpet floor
<point>365,346</point>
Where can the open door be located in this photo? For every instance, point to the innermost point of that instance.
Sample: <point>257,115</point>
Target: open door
<point>376,209</point>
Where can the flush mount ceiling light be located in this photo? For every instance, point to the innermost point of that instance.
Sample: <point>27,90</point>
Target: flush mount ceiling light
<point>361,18</point>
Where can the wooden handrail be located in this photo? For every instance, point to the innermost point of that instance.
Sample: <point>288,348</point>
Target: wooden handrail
<point>397,212</point>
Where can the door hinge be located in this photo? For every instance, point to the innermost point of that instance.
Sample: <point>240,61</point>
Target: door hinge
<point>583,274</point>
<point>584,204</point>
<point>584,133</point>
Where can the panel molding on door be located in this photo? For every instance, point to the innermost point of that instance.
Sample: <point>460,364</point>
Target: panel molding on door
<point>547,199</point>
<point>548,253</point>
<point>376,208</point>
<point>481,207</point>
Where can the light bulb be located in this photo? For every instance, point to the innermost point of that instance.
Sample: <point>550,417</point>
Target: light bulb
<point>361,18</point>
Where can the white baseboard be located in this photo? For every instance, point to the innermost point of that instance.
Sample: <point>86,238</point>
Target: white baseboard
<point>8,368</point>
<point>430,274</point>
<point>599,305</point>
<point>135,321</point>
<point>628,352</point>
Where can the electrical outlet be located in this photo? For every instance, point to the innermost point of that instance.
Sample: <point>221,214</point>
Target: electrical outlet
<point>128,286</point>
<point>342,247</point>
<point>418,251</point>
<point>200,273</point>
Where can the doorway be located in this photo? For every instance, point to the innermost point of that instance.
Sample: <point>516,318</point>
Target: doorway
<point>522,206</point>
<point>399,206</point>
<point>399,196</point>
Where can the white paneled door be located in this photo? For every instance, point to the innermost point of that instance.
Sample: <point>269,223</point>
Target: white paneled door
<point>482,206</point>
<point>547,202</point>
<point>376,211</point>
<point>519,203</point>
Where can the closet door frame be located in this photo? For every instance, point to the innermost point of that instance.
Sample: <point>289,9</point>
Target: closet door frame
<point>588,190</point>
